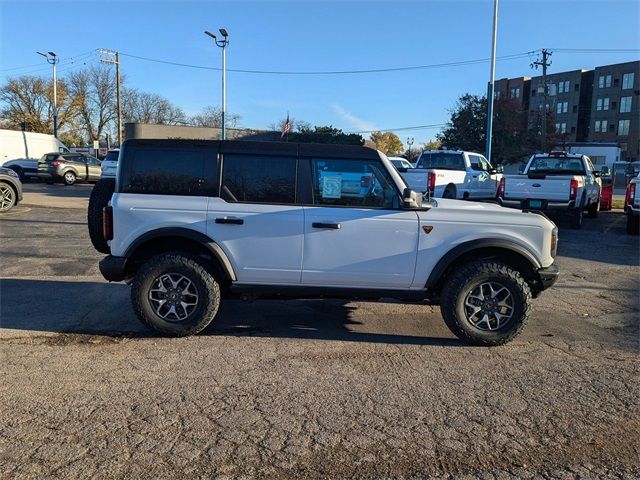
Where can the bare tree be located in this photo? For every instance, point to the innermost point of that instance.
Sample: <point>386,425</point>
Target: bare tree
<point>211,116</point>
<point>94,90</point>
<point>151,108</point>
<point>296,125</point>
<point>29,99</point>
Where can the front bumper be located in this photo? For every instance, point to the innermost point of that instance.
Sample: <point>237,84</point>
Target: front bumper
<point>113,268</point>
<point>548,276</point>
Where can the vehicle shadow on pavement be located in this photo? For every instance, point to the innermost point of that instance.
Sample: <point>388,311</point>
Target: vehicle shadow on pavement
<point>94,308</point>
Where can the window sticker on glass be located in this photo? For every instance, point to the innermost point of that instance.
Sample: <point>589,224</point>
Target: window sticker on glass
<point>331,186</point>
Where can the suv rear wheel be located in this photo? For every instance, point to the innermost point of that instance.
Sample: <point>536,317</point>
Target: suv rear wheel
<point>174,294</point>
<point>69,178</point>
<point>486,303</point>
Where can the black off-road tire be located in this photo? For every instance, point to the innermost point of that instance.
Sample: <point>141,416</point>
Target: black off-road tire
<point>577,218</point>
<point>100,196</point>
<point>465,280</point>
<point>594,209</point>
<point>450,192</point>
<point>188,266</point>
<point>633,223</point>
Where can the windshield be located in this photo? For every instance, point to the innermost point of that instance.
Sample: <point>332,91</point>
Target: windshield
<point>560,166</point>
<point>111,156</point>
<point>441,160</point>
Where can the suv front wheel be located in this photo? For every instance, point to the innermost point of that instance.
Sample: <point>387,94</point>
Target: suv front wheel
<point>486,303</point>
<point>174,294</point>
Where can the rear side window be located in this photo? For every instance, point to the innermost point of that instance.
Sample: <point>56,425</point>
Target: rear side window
<point>166,172</point>
<point>258,179</point>
<point>443,161</point>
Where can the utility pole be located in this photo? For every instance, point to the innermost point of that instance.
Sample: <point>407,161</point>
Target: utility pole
<point>492,76</point>
<point>115,60</point>
<point>222,44</point>
<point>53,59</point>
<point>544,63</point>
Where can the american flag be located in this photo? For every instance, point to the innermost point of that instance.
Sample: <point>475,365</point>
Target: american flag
<point>286,127</point>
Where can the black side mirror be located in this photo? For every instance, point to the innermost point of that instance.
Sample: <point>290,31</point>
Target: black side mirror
<point>596,174</point>
<point>604,171</point>
<point>411,199</point>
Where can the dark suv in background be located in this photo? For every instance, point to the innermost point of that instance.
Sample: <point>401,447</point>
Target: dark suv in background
<point>69,168</point>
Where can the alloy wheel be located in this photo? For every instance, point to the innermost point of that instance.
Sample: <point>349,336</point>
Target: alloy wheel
<point>173,297</point>
<point>489,306</point>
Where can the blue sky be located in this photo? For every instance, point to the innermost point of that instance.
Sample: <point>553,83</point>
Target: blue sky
<point>318,36</point>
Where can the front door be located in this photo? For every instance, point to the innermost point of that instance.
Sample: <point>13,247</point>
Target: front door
<point>483,184</point>
<point>255,219</point>
<point>355,234</point>
<point>93,169</point>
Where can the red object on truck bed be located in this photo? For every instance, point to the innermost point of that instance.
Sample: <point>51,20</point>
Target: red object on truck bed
<point>606,196</point>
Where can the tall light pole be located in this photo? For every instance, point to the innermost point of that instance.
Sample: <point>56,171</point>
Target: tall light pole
<point>115,60</point>
<point>222,44</point>
<point>410,144</point>
<point>492,76</point>
<point>53,59</point>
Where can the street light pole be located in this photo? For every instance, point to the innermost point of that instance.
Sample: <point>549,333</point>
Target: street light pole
<point>492,76</point>
<point>222,44</point>
<point>409,143</point>
<point>53,59</point>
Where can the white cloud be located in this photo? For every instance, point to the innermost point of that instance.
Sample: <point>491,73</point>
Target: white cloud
<point>354,122</point>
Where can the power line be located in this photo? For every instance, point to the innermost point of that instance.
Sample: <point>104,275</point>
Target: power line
<point>417,127</point>
<point>597,50</point>
<point>68,61</point>
<point>333,72</point>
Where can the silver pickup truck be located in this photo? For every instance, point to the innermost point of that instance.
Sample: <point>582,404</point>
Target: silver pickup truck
<point>554,181</point>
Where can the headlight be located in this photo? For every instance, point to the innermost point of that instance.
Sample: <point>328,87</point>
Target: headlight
<point>554,242</point>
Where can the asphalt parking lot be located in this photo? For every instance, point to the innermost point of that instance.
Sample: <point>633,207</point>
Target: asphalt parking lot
<point>315,388</point>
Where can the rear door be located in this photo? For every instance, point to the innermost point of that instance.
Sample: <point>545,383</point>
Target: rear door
<point>93,168</point>
<point>355,234</point>
<point>255,220</point>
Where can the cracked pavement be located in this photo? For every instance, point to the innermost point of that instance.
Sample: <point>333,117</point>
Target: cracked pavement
<point>314,388</point>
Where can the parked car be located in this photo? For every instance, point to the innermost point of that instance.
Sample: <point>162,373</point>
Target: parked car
<point>10,189</point>
<point>187,220</point>
<point>20,151</point>
<point>632,206</point>
<point>110,164</point>
<point>558,181</point>
<point>400,162</point>
<point>69,168</point>
<point>454,174</point>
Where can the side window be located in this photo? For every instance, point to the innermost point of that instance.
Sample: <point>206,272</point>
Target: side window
<point>478,163</point>
<point>166,172</point>
<point>258,179</point>
<point>352,183</point>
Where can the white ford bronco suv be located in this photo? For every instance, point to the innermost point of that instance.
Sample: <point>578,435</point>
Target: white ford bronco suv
<point>189,222</point>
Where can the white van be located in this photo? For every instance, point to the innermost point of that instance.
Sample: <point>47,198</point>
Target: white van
<point>20,151</point>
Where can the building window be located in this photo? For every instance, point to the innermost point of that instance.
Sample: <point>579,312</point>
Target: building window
<point>563,87</point>
<point>625,105</point>
<point>623,128</point>
<point>562,107</point>
<point>575,109</point>
<point>604,81</point>
<point>515,92</point>
<point>602,104</point>
<point>601,126</point>
<point>627,80</point>
<point>561,127</point>
<point>551,89</point>
<point>576,87</point>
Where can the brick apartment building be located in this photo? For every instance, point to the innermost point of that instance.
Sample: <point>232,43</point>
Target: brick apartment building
<point>600,105</point>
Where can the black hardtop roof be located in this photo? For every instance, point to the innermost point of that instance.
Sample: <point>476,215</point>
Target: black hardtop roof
<point>262,148</point>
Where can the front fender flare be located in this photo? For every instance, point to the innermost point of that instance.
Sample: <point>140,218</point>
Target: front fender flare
<point>466,247</point>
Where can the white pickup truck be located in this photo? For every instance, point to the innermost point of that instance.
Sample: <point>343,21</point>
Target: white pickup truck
<point>453,174</point>
<point>632,206</point>
<point>555,181</point>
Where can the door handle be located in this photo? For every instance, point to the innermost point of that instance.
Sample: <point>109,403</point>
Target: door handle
<point>231,221</point>
<point>333,226</point>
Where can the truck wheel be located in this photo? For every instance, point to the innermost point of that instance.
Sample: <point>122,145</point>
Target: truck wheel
<point>450,192</point>
<point>486,303</point>
<point>175,295</point>
<point>69,178</point>
<point>8,197</point>
<point>577,217</point>
<point>100,196</point>
<point>594,209</point>
<point>633,223</point>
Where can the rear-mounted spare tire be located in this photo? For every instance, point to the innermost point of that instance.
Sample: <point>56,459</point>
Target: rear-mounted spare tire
<point>100,196</point>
